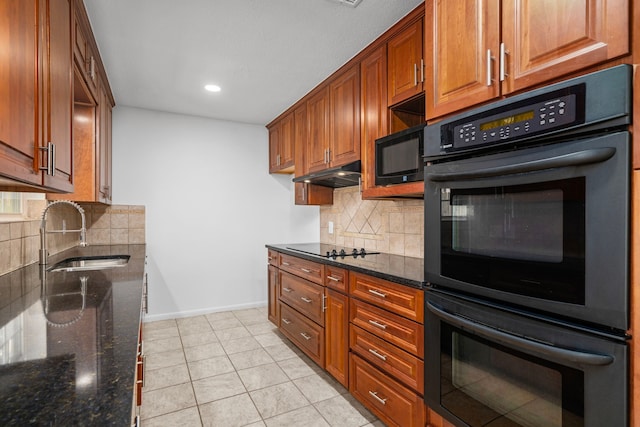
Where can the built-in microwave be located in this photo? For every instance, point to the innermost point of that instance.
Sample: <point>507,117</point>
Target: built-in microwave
<point>399,157</point>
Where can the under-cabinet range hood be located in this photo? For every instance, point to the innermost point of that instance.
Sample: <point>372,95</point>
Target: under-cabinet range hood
<point>338,177</point>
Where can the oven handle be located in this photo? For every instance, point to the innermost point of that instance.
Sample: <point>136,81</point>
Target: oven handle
<point>595,155</point>
<point>572,357</point>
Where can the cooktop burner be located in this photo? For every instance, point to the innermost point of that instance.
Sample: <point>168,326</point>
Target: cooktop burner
<point>330,251</point>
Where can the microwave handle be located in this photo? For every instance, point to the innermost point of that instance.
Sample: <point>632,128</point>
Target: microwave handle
<point>562,355</point>
<point>595,155</point>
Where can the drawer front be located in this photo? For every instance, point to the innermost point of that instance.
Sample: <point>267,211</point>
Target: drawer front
<point>272,258</point>
<point>336,278</point>
<point>399,299</point>
<point>306,297</point>
<point>301,267</point>
<point>393,403</point>
<point>401,365</point>
<point>404,333</point>
<point>308,336</point>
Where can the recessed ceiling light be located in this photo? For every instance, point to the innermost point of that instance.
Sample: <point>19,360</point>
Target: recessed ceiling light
<point>212,88</point>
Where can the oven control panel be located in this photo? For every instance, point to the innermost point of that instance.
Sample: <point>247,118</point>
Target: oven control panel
<point>551,114</point>
<point>537,116</point>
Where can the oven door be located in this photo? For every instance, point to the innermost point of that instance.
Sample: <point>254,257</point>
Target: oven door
<point>545,228</point>
<point>488,367</point>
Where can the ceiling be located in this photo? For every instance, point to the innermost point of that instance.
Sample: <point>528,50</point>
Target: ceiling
<point>264,54</point>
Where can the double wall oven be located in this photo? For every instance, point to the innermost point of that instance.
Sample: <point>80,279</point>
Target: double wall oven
<point>526,253</point>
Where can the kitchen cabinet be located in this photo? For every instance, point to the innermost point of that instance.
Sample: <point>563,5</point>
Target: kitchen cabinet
<point>310,194</point>
<point>387,349</point>
<point>334,122</point>
<point>36,94</point>
<point>478,50</point>
<point>92,111</point>
<point>272,289</point>
<point>337,324</point>
<point>405,64</point>
<point>281,145</point>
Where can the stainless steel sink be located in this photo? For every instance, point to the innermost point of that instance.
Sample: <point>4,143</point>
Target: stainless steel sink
<point>90,263</point>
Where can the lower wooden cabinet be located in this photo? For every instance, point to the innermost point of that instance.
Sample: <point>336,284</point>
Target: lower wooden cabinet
<point>337,336</point>
<point>391,401</point>
<point>273,301</point>
<point>308,336</point>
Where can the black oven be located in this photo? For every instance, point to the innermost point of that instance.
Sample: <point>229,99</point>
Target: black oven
<point>527,257</point>
<point>541,221</point>
<point>486,366</point>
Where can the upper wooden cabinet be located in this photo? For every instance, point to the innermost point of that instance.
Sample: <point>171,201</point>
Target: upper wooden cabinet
<point>405,64</point>
<point>281,145</point>
<point>333,114</point>
<point>92,110</point>
<point>36,94</point>
<point>467,61</point>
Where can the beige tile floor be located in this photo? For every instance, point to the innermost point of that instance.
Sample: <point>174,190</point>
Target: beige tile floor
<point>235,369</point>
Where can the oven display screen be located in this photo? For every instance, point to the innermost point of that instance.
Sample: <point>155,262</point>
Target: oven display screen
<point>527,115</point>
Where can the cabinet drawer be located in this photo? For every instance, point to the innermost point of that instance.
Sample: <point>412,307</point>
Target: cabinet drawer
<point>399,299</point>
<point>272,258</point>
<point>393,403</point>
<point>304,296</point>
<point>301,267</point>
<point>308,336</point>
<point>404,333</point>
<point>336,278</point>
<point>397,363</point>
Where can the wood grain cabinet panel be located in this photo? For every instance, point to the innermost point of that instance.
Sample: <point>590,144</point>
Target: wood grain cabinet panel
<point>273,300</point>
<point>397,330</point>
<point>405,64</point>
<point>394,403</point>
<point>337,336</point>
<point>399,299</point>
<point>399,364</point>
<point>336,278</point>
<point>308,336</point>
<point>309,270</point>
<point>304,296</point>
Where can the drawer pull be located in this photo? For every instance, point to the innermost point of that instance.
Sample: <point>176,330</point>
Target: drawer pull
<point>378,324</point>
<point>374,394</point>
<point>378,355</point>
<point>306,270</point>
<point>305,336</point>
<point>377,293</point>
<point>286,321</point>
<point>307,300</point>
<point>285,263</point>
<point>335,279</point>
<point>287,289</point>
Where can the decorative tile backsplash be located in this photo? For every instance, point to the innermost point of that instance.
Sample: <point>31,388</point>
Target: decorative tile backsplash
<point>392,226</point>
<point>20,240</point>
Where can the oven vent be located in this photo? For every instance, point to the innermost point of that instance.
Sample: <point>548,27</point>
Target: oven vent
<point>352,3</point>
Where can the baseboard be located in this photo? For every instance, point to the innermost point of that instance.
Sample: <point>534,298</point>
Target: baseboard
<point>199,312</point>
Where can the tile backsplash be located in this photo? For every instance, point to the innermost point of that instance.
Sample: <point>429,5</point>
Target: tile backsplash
<point>20,240</point>
<point>392,226</point>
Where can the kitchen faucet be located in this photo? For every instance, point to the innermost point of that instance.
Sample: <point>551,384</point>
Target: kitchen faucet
<point>44,254</point>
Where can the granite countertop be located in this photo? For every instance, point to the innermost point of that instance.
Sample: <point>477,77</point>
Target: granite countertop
<point>72,365</point>
<point>400,269</point>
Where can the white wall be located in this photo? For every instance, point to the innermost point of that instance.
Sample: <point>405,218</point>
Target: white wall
<point>211,206</point>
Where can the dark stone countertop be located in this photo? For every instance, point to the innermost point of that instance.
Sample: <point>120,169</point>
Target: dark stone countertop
<point>400,269</point>
<point>71,366</point>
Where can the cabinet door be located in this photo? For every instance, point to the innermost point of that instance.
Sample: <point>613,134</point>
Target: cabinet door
<point>57,90</point>
<point>104,161</point>
<point>461,51</point>
<point>546,39</point>
<point>287,137</point>
<point>345,118</point>
<point>274,303</point>
<point>373,103</point>
<point>300,139</point>
<point>318,131</point>
<point>405,65</point>
<point>18,90</point>
<point>274,147</point>
<point>337,336</point>
<point>312,195</point>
